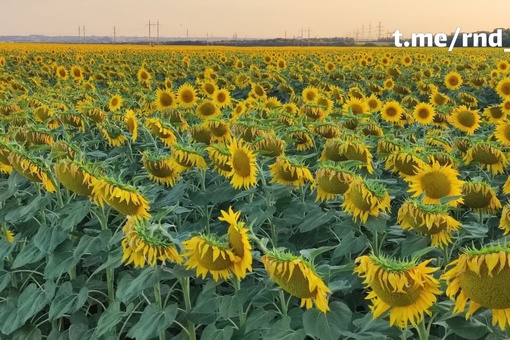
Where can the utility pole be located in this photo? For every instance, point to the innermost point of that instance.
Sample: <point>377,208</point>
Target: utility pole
<point>309,36</point>
<point>369,36</point>
<point>157,24</point>
<point>79,32</point>
<point>302,31</point>
<point>114,34</point>
<point>379,31</point>
<point>84,34</point>
<point>187,34</point>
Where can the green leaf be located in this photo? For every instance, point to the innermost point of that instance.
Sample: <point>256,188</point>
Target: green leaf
<point>74,213</point>
<point>229,306</point>
<point>315,219</point>
<point>48,238</point>
<point>130,287</point>
<point>109,318</point>
<point>5,279</point>
<point>448,199</point>
<point>327,326</point>
<point>113,261</point>
<point>468,329</point>
<point>350,244</point>
<point>29,254</point>
<point>61,260</point>
<point>311,254</point>
<point>212,333</point>
<point>153,322</point>
<point>376,224</point>
<point>66,301</point>
<point>260,319</point>
<point>27,332</point>
<point>5,249</point>
<point>27,212</point>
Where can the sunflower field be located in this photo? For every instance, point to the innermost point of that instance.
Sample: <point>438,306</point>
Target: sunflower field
<point>249,193</point>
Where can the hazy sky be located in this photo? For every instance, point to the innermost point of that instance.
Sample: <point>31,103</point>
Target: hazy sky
<point>248,18</point>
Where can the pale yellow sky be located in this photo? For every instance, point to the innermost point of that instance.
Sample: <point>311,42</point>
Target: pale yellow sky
<point>252,19</point>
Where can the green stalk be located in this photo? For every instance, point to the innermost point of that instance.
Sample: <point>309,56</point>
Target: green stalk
<point>157,297</point>
<point>423,334</point>
<point>242,315</point>
<point>187,304</point>
<point>283,303</point>
<point>110,274</point>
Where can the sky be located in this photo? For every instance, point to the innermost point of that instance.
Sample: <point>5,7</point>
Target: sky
<point>250,19</point>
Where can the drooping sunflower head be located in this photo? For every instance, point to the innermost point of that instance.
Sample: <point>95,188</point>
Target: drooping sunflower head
<point>504,221</point>
<point>481,277</point>
<point>357,151</point>
<point>200,134</point>
<point>238,241</point>
<point>437,98</point>
<point>161,130</point>
<point>480,197</point>
<point>31,168</point>
<point>208,254</point>
<point>302,139</point>
<point>431,220</point>
<point>243,164</point>
<point>465,119</point>
<point>112,134</point>
<point>489,156</point>
<point>436,182</point>
<point>297,277</point>
<point>76,177</point>
<point>289,171</point>
<point>406,288</point>
<point>494,114</point>
<point>405,161</point>
<point>269,145</point>
<point>160,168</point>
<point>207,109</point>
<point>121,197</point>
<point>5,164</point>
<point>146,243</point>
<point>220,129</point>
<point>387,145</point>
<point>220,156</point>
<point>331,181</point>
<point>187,157</point>
<point>365,197</point>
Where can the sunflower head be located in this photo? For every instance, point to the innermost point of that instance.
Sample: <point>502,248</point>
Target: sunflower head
<point>146,243</point>
<point>481,277</point>
<point>465,119</point>
<point>365,197</point>
<point>406,288</point>
<point>297,277</point>
<point>186,95</point>
<point>453,80</point>
<point>289,171</point>
<point>331,181</point>
<point>480,197</point>
<point>160,168</point>
<point>165,99</point>
<point>208,254</point>
<point>405,161</point>
<point>187,157</point>
<point>220,156</point>
<point>31,169</point>
<point>243,164</point>
<point>489,156</point>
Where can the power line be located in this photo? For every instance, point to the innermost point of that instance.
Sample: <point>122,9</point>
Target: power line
<point>157,24</point>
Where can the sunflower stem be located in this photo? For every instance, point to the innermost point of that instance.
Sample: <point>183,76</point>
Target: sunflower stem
<point>242,316</point>
<point>284,303</point>
<point>187,303</point>
<point>110,274</point>
<point>423,334</point>
<point>157,297</point>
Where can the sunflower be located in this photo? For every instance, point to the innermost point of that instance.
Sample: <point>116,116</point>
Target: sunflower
<point>115,103</point>
<point>161,130</point>
<point>505,106</point>
<point>143,76</point>
<point>208,87</point>
<point>219,156</point>
<point>310,94</point>
<point>186,95</point>
<point>59,150</point>
<point>209,255</point>
<point>404,161</point>
<point>31,169</point>
<point>147,243</point>
<point>113,135</point>
<point>200,134</point>
<point>207,109</point>
<point>239,109</point>
<point>391,111</point>
<point>257,92</point>
<point>160,168</point>
<point>186,157</point>
<point>453,80</point>
<point>431,220</point>
<point>357,151</point>
<point>238,242</point>
<point>61,73</point>
<point>221,98</point>
<point>287,171</point>
<point>389,84</point>
<point>504,221</point>
<point>481,277</point>
<point>243,164</point>
<point>503,87</point>
<point>406,288</point>
<point>387,145</point>
<point>356,106</point>
<point>480,197</point>
<point>220,130</point>
<point>121,197</point>
<point>331,150</point>
<point>424,113</point>
<point>436,182</point>
<point>297,277</point>
<point>364,198</point>
<point>76,177</point>
<point>5,164</point>
<point>494,114</point>
<point>487,155</point>
<point>165,99</point>
<point>437,98</point>
<point>465,119</point>
<point>374,103</point>
<point>327,130</point>
<point>77,73</point>
<point>503,66</point>
<point>331,181</point>
<point>131,124</point>
<point>269,145</point>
